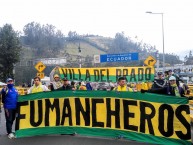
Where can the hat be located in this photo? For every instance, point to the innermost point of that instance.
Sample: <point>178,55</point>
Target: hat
<point>169,70</point>
<point>9,79</point>
<point>83,84</point>
<point>56,76</point>
<point>159,73</point>
<point>121,78</point>
<point>172,78</point>
<point>64,79</point>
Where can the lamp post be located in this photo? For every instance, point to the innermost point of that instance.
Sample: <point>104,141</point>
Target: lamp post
<point>79,54</point>
<point>157,56</point>
<point>162,14</point>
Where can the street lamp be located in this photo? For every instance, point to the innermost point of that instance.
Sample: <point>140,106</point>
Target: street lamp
<point>162,14</point>
<point>79,54</point>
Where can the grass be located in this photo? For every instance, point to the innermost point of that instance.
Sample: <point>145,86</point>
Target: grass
<point>86,49</point>
<point>72,48</point>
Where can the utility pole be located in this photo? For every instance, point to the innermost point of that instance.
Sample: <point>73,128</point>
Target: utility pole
<point>157,55</point>
<point>79,54</point>
<point>163,45</point>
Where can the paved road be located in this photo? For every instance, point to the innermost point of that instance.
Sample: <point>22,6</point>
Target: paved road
<point>59,139</point>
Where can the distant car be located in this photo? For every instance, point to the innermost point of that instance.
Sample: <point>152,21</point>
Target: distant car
<point>103,86</point>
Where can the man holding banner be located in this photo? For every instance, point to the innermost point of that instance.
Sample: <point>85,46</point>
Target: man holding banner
<point>37,87</point>
<point>159,82</point>
<point>66,85</point>
<point>172,89</point>
<point>56,83</point>
<point>122,85</point>
<point>9,100</point>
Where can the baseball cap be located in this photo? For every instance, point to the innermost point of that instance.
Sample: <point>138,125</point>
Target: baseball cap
<point>169,70</point>
<point>9,79</point>
<point>172,78</point>
<point>64,79</point>
<point>83,84</point>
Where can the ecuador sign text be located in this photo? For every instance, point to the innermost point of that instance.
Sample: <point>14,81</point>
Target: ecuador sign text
<point>118,57</point>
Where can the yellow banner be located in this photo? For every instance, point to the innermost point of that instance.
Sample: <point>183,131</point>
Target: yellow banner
<point>158,119</point>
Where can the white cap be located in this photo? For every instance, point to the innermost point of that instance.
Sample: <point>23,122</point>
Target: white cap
<point>83,84</point>
<point>9,79</point>
<point>172,78</point>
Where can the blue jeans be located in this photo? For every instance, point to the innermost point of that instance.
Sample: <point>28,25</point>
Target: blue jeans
<point>10,115</point>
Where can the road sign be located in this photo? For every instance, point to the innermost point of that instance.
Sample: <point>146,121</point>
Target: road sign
<point>52,61</point>
<point>123,57</point>
<point>40,66</point>
<point>41,75</point>
<point>96,58</point>
<point>150,61</point>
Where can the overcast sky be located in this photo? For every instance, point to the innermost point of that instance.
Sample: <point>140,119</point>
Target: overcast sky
<point>107,17</point>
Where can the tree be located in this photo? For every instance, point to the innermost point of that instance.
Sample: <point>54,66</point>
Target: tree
<point>185,58</point>
<point>10,48</point>
<point>72,36</point>
<point>188,60</point>
<point>190,54</point>
<point>122,44</point>
<point>44,39</point>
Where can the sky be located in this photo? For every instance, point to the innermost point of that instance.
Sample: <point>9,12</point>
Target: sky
<point>108,17</point>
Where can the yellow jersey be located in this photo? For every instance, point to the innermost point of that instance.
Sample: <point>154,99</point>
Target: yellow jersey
<point>124,88</point>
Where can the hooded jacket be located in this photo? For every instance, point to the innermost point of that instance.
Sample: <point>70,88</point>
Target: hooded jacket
<point>9,97</point>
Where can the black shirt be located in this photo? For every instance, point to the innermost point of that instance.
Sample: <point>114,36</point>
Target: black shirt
<point>167,90</point>
<point>68,87</point>
<point>159,83</point>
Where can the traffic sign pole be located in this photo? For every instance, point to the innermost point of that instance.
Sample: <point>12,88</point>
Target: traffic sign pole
<point>40,67</point>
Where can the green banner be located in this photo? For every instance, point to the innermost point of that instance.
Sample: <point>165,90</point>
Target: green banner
<point>151,118</point>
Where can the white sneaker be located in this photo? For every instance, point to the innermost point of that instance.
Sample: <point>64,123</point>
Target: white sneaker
<point>11,136</point>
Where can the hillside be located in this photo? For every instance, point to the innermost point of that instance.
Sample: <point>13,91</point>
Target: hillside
<point>89,45</point>
<point>103,42</point>
<point>86,49</point>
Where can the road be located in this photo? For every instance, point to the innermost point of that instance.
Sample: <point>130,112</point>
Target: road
<point>60,139</point>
